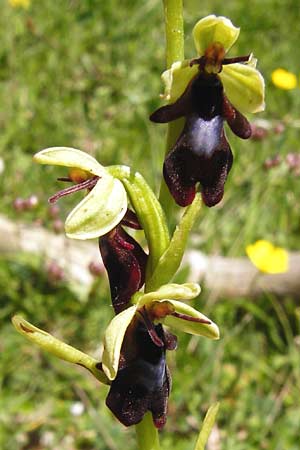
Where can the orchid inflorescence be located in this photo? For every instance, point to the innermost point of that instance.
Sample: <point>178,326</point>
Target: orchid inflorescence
<point>207,91</point>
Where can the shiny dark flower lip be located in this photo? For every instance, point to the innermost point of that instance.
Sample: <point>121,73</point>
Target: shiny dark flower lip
<point>201,153</point>
<point>156,307</point>
<point>135,346</point>
<point>125,262</point>
<point>206,91</point>
<point>143,380</point>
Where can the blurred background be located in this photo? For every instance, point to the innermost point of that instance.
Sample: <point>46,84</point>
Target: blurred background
<point>86,74</point>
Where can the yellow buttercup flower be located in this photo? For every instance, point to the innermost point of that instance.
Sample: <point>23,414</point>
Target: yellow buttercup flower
<point>268,258</point>
<point>19,3</point>
<point>283,79</point>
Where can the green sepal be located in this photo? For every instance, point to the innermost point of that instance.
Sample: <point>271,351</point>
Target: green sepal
<point>212,29</point>
<point>99,212</point>
<point>148,210</point>
<point>58,348</point>
<point>103,207</point>
<point>113,340</point>
<point>171,259</point>
<point>177,78</point>
<point>200,329</point>
<point>186,291</point>
<point>70,157</point>
<point>244,86</point>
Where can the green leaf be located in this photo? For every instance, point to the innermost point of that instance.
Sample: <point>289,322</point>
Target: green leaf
<point>171,259</point>
<point>207,426</point>
<point>147,434</point>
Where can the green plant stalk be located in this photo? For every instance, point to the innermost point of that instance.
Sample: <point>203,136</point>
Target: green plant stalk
<point>149,212</point>
<point>171,259</point>
<point>173,11</point>
<point>147,434</point>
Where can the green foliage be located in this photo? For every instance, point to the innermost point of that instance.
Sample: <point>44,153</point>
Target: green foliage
<point>86,74</point>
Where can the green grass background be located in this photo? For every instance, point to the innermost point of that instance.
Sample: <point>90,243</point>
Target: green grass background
<point>87,74</point>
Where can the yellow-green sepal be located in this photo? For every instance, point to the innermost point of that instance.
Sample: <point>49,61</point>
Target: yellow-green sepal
<point>177,78</point>
<point>244,87</point>
<point>99,212</point>
<point>58,348</point>
<point>113,340</point>
<point>186,291</point>
<point>210,330</point>
<point>212,29</point>
<point>70,157</point>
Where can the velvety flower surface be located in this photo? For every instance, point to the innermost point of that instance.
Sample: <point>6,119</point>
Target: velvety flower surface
<point>161,306</point>
<point>143,382</point>
<point>125,262</point>
<point>134,351</point>
<point>202,90</point>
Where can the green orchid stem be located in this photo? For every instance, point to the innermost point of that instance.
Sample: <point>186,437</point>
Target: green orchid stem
<point>149,212</point>
<point>171,259</point>
<point>173,10</point>
<point>147,434</point>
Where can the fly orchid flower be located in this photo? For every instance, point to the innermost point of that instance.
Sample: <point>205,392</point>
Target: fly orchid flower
<point>101,214</point>
<point>143,380</point>
<point>134,350</point>
<point>206,91</point>
<point>106,202</point>
<point>124,260</point>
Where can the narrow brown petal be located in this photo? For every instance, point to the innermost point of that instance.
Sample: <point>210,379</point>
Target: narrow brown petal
<point>87,184</point>
<point>237,122</point>
<point>130,220</point>
<point>190,318</point>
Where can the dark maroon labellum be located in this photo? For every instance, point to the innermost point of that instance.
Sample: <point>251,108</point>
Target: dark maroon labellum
<point>125,262</point>
<point>202,153</point>
<point>143,381</point>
